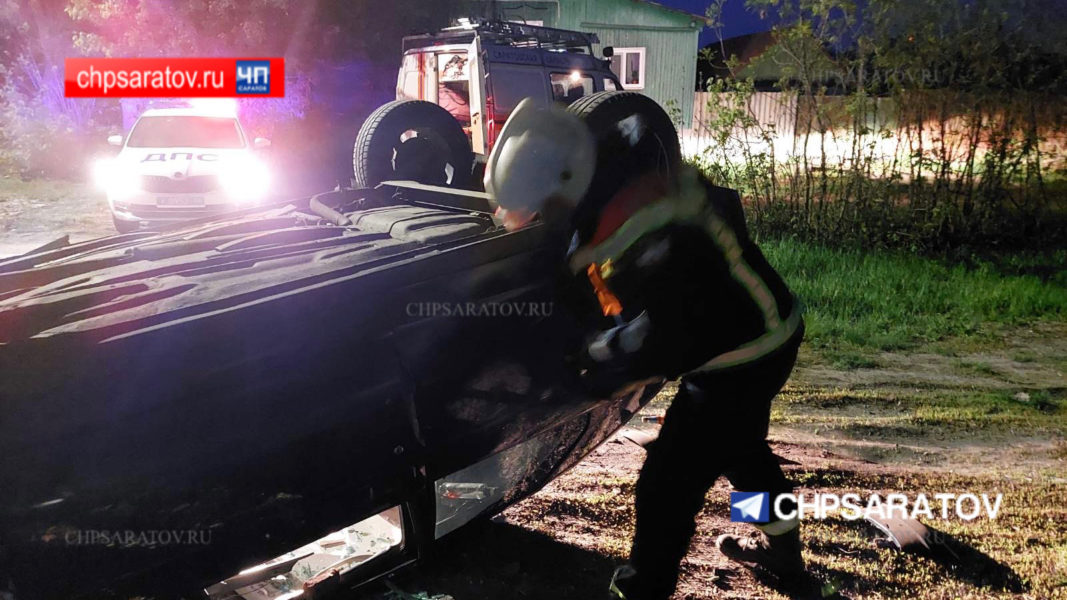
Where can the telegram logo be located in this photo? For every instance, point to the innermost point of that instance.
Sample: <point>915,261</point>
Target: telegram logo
<point>750,507</point>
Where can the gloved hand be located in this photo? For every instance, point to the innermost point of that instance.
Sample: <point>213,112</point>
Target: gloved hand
<point>609,359</point>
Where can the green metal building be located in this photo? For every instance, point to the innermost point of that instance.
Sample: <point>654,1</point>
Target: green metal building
<point>655,46</point>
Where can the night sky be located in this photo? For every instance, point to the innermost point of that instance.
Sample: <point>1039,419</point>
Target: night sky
<point>736,20</point>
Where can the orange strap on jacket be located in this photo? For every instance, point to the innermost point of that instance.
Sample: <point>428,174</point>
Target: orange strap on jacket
<point>608,302</point>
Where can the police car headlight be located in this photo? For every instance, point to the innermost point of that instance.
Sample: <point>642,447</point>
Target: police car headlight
<point>245,180</point>
<point>109,176</point>
<point>101,173</point>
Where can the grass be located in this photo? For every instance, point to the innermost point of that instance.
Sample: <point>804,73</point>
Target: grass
<point>910,416</point>
<point>850,359</point>
<point>1024,549</point>
<point>982,368</point>
<point>926,439</point>
<point>1023,357</point>
<point>892,301</point>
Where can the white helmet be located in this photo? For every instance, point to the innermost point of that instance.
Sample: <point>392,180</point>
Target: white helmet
<point>542,152</point>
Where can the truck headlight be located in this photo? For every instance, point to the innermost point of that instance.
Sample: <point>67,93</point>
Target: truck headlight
<point>245,180</point>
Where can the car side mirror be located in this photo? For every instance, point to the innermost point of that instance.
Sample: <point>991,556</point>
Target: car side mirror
<point>114,140</point>
<point>261,143</point>
<point>608,51</point>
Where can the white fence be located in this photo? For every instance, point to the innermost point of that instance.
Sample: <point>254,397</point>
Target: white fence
<point>791,120</point>
<point>768,108</point>
<point>782,126</point>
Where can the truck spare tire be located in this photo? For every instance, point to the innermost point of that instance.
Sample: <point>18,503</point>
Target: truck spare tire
<point>412,140</point>
<point>603,111</point>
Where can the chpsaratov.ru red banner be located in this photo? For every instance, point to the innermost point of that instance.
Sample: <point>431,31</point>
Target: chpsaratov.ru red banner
<point>174,77</point>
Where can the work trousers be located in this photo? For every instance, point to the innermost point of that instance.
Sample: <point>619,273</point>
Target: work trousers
<point>716,425</point>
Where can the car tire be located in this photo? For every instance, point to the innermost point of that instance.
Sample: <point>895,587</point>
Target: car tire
<point>125,226</point>
<point>603,110</point>
<point>412,140</point>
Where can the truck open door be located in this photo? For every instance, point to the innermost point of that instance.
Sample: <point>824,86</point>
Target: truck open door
<point>429,77</point>
<point>479,113</point>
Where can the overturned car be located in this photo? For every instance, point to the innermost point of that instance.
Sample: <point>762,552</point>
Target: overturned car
<point>281,401</point>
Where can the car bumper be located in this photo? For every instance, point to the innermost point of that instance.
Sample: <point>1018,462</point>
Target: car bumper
<point>149,215</point>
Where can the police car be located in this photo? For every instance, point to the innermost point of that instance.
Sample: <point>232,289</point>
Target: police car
<point>178,164</point>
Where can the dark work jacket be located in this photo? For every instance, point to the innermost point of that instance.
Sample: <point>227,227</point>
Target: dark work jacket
<point>682,287</point>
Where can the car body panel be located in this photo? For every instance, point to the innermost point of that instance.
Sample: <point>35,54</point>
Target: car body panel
<point>269,377</point>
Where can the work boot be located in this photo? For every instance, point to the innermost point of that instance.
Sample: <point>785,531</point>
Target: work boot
<point>779,554</point>
<point>621,582</point>
<point>627,585</point>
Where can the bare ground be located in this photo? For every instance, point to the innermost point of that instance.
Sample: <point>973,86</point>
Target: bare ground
<point>33,213</point>
<point>925,422</point>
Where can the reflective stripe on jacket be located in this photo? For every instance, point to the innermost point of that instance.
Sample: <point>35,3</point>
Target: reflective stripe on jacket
<point>754,287</point>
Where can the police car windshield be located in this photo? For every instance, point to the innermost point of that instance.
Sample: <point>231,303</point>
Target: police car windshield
<point>186,132</point>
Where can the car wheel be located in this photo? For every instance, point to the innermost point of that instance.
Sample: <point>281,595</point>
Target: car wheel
<point>603,110</point>
<point>125,226</point>
<point>412,140</point>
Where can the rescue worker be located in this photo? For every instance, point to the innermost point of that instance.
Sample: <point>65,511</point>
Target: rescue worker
<point>666,258</point>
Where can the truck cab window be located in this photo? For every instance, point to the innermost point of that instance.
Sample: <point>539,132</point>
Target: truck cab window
<point>568,87</point>
<point>509,84</point>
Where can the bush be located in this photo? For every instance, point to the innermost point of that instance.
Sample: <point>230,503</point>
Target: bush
<point>924,125</point>
<point>46,134</point>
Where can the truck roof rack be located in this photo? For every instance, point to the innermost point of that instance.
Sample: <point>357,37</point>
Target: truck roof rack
<point>506,33</point>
